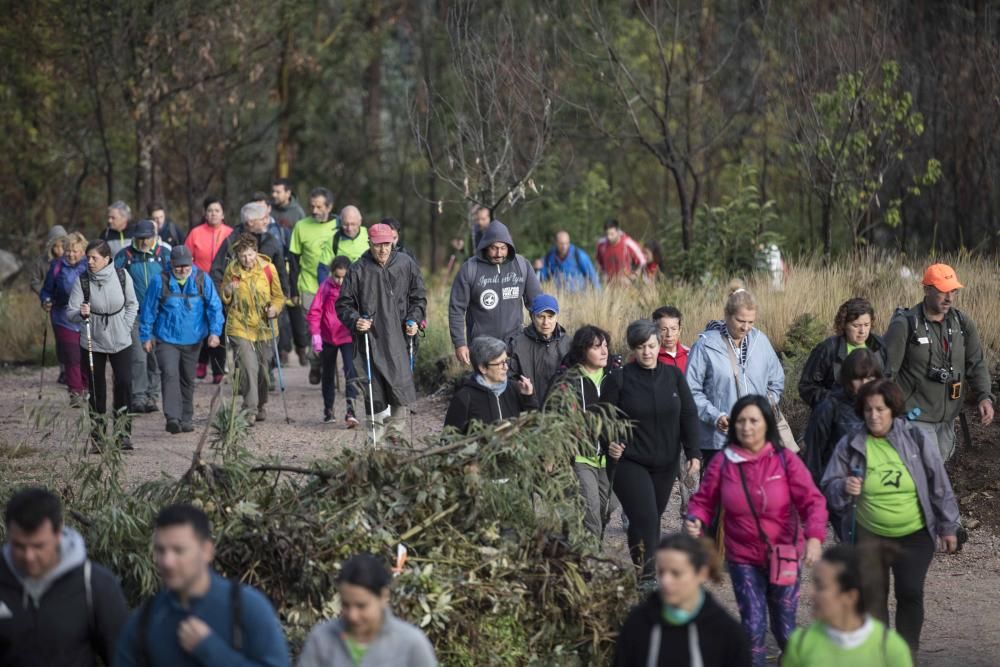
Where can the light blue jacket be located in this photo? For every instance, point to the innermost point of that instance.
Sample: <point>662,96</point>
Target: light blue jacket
<point>185,316</point>
<point>710,376</point>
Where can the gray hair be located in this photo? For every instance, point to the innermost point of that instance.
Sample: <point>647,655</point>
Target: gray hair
<point>485,349</point>
<point>254,210</point>
<point>639,332</point>
<point>122,208</point>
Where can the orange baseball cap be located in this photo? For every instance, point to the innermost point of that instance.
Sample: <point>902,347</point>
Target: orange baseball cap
<point>942,278</point>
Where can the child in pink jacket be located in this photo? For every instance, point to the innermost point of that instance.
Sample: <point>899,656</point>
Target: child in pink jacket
<point>782,491</point>
<point>330,337</point>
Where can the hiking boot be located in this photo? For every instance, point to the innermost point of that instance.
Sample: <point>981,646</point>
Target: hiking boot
<point>201,371</point>
<point>328,417</point>
<point>350,418</point>
<point>126,444</point>
<point>315,375</point>
<point>173,426</point>
<point>272,384</point>
<point>261,414</point>
<point>137,408</point>
<point>303,356</point>
<point>61,379</point>
<point>186,427</point>
<point>217,378</point>
<point>283,357</point>
<point>150,407</point>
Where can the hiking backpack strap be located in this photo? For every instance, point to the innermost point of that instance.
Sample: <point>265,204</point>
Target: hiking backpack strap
<point>88,593</point>
<point>143,657</point>
<point>655,636</point>
<point>336,242</point>
<point>236,611</point>
<point>268,273</point>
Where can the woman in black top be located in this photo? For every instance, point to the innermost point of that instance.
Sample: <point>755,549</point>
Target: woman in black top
<point>657,400</point>
<point>680,623</point>
<point>489,394</point>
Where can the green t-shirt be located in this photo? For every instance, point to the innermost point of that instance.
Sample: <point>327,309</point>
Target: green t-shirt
<point>356,650</point>
<point>814,647</point>
<point>352,249</point>
<point>889,505</point>
<point>593,461</point>
<point>851,347</point>
<point>312,241</point>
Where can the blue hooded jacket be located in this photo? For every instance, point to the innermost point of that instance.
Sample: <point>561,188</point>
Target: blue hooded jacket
<point>710,376</point>
<point>58,286</point>
<point>574,273</point>
<point>184,317</point>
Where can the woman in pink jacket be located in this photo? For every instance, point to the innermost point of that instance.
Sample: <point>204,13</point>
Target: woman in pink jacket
<point>763,491</point>
<point>330,337</point>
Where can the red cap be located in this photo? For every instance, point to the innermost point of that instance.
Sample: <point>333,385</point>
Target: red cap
<point>942,278</point>
<point>381,234</point>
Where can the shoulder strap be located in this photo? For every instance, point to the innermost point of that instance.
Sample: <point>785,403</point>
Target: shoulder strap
<point>199,282</point>
<point>128,256</point>
<point>753,510</point>
<point>88,592</point>
<point>121,278</point>
<point>336,242</point>
<point>235,608</point>
<point>56,270</point>
<point>269,274</point>
<point>143,657</point>
<point>653,658</point>
<point>579,262</point>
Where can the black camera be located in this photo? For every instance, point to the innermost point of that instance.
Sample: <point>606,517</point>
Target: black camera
<point>942,375</point>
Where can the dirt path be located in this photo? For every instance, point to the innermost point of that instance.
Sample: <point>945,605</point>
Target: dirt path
<point>962,624</point>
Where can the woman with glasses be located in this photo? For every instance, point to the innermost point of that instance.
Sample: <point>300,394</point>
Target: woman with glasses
<point>488,395</point>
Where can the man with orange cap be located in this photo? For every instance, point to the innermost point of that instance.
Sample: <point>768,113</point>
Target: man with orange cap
<point>936,357</point>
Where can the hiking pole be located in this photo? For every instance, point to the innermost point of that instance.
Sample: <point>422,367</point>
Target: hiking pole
<point>371,391</point>
<point>45,343</point>
<point>281,375</point>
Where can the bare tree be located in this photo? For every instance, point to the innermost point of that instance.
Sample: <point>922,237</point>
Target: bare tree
<point>484,129</point>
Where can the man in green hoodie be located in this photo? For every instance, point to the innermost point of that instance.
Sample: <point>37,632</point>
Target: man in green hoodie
<point>936,357</point>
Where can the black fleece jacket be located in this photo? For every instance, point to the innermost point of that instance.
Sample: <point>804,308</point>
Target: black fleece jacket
<point>659,403</point>
<point>472,401</point>
<point>821,372</point>
<point>720,637</point>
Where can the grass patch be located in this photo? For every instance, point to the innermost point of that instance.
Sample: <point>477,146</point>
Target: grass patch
<point>21,323</point>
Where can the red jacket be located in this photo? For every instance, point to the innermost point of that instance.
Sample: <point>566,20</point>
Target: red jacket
<point>773,493</point>
<point>204,241</point>
<point>622,258</point>
<point>680,361</point>
<point>322,316</point>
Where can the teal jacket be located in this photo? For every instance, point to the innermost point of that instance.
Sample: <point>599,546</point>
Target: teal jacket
<point>143,266</point>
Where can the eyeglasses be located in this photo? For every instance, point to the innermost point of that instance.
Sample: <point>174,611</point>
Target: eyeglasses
<point>505,362</point>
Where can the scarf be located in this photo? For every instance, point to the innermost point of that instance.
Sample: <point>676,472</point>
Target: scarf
<point>497,389</point>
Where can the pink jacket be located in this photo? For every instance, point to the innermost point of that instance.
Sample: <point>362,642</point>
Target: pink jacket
<point>322,315</point>
<point>772,496</point>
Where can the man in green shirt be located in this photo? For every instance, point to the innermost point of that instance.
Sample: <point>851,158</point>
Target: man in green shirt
<point>311,245</point>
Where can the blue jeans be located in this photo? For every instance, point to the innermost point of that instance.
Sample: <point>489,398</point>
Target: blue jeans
<point>756,597</point>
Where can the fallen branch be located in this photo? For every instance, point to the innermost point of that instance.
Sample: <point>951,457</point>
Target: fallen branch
<point>324,475</point>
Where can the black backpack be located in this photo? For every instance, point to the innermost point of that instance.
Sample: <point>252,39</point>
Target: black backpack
<point>144,657</point>
<point>165,293</point>
<point>159,256</point>
<point>85,286</point>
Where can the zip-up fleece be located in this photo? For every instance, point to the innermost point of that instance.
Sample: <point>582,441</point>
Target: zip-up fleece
<point>822,370</point>
<point>58,286</point>
<point>204,242</point>
<point>782,493</point>
<point>537,358</point>
<point>717,640</point>
<point>112,313</point>
<point>710,375</point>
<point>143,266</point>
<point>398,643</point>
<point>322,317</point>
<point>472,401</point>
<point>603,398</point>
<point>489,299</point>
<point>922,460</point>
<point>912,351</point>
<point>663,414</point>
<point>830,421</point>
<point>47,621</point>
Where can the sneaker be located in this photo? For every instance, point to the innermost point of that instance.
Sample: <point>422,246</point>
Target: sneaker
<point>261,414</point>
<point>303,356</point>
<point>201,371</point>
<point>328,417</point>
<point>173,426</point>
<point>77,400</point>
<point>350,419</point>
<point>217,378</point>
<point>315,375</point>
<point>186,427</point>
<point>126,445</point>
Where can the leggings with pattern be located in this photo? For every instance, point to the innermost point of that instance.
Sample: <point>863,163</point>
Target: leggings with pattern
<point>757,597</point>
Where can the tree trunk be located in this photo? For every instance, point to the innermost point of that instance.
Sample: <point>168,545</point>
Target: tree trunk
<point>684,199</point>
<point>282,154</point>
<point>826,226</point>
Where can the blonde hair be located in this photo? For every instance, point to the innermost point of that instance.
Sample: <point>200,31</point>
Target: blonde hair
<point>74,239</point>
<point>739,297</point>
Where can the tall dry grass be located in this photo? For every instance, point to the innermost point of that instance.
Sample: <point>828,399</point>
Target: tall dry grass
<point>21,325</point>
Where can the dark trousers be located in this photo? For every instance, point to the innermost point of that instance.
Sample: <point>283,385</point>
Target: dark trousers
<point>214,355</point>
<point>121,371</point>
<point>329,361</point>
<point>68,345</point>
<point>177,373</point>
<point>300,329</point>
<point>908,558</point>
<point>643,493</point>
<point>284,331</point>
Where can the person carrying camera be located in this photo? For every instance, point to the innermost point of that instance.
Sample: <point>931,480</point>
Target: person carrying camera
<point>936,358</point>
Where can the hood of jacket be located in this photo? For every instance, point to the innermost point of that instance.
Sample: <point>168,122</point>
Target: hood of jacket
<point>496,232</point>
<point>54,235</point>
<point>72,554</point>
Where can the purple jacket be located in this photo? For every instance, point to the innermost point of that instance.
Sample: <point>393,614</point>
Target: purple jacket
<point>779,498</point>
<point>58,286</point>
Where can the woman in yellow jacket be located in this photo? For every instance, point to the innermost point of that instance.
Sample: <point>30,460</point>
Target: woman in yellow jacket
<point>252,294</point>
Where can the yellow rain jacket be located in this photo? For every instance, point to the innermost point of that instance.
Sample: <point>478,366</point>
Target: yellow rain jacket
<point>256,289</point>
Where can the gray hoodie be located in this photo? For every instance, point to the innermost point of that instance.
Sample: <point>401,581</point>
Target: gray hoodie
<point>398,644</point>
<point>112,312</point>
<point>489,299</point>
<point>72,554</point>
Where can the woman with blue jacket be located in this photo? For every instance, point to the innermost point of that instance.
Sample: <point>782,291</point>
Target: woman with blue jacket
<point>62,275</point>
<point>731,359</point>
<point>181,308</point>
